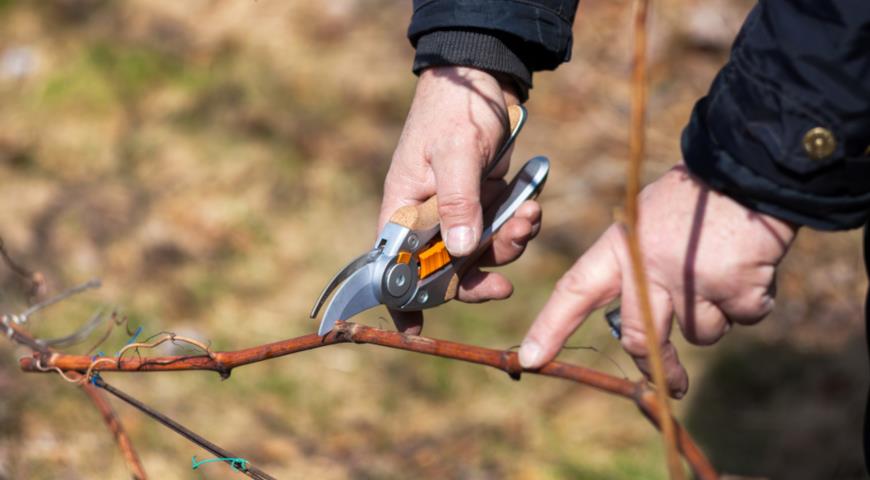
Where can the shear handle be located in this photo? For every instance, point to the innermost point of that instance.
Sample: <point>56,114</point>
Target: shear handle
<point>442,285</point>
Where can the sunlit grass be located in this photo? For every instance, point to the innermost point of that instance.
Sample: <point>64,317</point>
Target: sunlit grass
<point>215,187</point>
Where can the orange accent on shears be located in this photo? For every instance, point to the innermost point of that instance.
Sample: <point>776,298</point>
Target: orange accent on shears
<point>433,258</point>
<point>404,258</point>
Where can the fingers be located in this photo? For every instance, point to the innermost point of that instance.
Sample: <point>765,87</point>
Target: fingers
<point>750,308</point>
<point>634,335</point>
<point>598,277</point>
<point>511,240</point>
<point>754,301</point>
<point>742,297</point>
<point>675,374</point>
<point>701,321</point>
<point>458,190</point>
<point>592,282</point>
<point>508,244</point>
<point>410,323</point>
<point>478,286</point>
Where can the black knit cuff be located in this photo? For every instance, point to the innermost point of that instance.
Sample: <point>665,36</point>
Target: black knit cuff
<point>473,49</point>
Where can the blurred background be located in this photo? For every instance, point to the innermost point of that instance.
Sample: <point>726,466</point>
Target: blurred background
<point>215,162</point>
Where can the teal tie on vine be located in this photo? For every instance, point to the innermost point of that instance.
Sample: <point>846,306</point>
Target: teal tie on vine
<point>236,463</point>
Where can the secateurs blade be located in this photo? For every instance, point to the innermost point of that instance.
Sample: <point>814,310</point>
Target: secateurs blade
<point>409,268</point>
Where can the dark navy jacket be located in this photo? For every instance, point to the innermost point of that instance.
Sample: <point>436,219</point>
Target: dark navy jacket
<point>785,128</point>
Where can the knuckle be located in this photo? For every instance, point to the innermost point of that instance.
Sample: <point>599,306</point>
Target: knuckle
<point>572,282</point>
<point>457,205</point>
<point>704,325</point>
<point>753,308</point>
<point>633,340</point>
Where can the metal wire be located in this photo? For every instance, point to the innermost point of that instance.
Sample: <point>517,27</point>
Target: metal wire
<point>248,470</point>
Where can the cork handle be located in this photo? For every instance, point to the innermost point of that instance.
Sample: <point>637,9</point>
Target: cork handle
<point>425,215</point>
<point>515,115</point>
<point>418,217</point>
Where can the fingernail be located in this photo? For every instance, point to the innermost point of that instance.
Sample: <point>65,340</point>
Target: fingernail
<point>530,354</point>
<point>459,242</point>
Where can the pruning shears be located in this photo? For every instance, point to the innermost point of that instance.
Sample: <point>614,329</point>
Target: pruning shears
<point>409,268</point>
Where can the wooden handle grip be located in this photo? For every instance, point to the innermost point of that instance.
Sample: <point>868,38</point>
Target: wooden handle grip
<point>418,217</point>
<point>515,112</point>
<point>425,215</point>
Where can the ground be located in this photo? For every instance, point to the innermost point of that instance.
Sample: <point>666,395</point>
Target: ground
<point>214,162</point>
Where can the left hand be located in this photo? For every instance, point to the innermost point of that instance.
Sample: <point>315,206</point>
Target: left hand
<point>708,259</point>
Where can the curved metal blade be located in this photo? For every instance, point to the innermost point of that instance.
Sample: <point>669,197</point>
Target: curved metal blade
<point>342,275</point>
<point>357,294</point>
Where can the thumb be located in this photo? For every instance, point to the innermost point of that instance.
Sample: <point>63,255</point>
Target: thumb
<point>457,179</point>
<point>591,283</point>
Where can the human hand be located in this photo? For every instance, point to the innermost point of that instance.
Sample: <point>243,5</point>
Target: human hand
<point>457,122</point>
<point>708,259</point>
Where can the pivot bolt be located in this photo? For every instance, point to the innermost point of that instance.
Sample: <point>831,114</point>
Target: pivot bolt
<point>398,279</point>
<point>413,241</point>
<point>422,297</point>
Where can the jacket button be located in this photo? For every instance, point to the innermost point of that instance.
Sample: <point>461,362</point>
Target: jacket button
<point>819,143</point>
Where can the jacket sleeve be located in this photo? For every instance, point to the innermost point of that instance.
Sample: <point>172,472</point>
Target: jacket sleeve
<point>785,128</point>
<point>510,37</point>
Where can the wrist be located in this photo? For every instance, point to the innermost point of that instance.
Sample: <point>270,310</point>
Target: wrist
<point>483,50</point>
<point>469,75</point>
<point>508,88</point>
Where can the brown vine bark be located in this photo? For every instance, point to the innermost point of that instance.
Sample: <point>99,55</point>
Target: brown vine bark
<point>20,336</point>
<point>114,424</point>
<point>344,332</point>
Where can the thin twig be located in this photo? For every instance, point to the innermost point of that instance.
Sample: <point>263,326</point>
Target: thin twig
<point>76,337</point>
<point>93,283</point>
<point>223,362</point>
<point>180,429</point>
<point>112,421</point>
<point>36,279</point>
<point>636,147</point>
<point>18,335</point>
<point>600,353</point>
<point>7,259</point>
<point>115,321</point>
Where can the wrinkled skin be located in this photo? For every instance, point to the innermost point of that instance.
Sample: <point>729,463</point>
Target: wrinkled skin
<point>710,261</point>
<point>457,122</point>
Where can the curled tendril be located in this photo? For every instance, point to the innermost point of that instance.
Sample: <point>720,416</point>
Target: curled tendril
<point>167,337</point>
<point>78,379</point>
<point>93,368</point>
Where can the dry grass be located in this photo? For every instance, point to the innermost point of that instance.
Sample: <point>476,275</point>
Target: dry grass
<point>215,162</point>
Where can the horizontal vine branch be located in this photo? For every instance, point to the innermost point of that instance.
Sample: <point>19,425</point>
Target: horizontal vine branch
<point>20,336</point>
<point>345,332</point>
